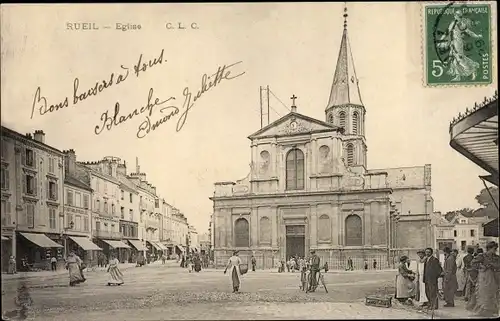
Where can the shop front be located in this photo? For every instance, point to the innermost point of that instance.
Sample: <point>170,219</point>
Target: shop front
<point>114,247</point>
<point>84,248</point>
<point>137,250</point>
<point>34,251</point>
<point>154,249</point>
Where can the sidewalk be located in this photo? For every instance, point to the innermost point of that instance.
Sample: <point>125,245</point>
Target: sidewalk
<point>62,271</point>
<point>297,272</point>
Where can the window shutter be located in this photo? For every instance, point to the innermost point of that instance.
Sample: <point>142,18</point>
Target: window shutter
<point>24,183</point>
<point>8,219</point>
<point>7,179</point>
<point>23,156</point>
<point>56,192</point>
<point>35,187</point>
<point>34,159</point>
<point>48,189</point>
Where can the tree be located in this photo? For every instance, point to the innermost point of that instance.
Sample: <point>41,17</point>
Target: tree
<point>467,212</point>
<point>484,198</point>
<point>488,204</point>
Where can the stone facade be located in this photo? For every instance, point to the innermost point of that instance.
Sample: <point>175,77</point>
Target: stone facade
<point>309,188</point>
<point>32,183</point>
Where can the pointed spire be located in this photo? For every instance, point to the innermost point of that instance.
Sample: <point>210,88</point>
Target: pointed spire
<point>345,88</point>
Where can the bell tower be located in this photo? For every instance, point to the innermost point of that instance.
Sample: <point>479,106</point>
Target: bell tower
<point>345,107</point>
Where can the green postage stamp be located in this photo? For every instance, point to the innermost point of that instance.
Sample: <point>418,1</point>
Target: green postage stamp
<point>457,44</point>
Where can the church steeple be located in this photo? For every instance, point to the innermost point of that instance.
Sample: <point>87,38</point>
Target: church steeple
<point>345,89</point>
<point>345,107</point>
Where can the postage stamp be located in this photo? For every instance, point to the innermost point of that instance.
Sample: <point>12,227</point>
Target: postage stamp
<point>457,45</point>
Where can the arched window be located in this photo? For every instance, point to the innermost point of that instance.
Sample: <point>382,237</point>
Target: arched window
<point>241,233</point>
<point>330,118</point>
<point>342,120</point>
<point>295,169</point>
<point>350,154</point>
<point>355,123</point>
<point>265,230</point>
<point>353,231</point>
<point>324,228</point>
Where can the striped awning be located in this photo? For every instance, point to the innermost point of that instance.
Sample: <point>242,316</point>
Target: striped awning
<point>138,245</point>
<point>161,246</point>
<point>180,248</point>
<point>475,135</point>
<point>41,240</point>
<point>117,244</point>
<point>85,243</point>
<point>155,245</point>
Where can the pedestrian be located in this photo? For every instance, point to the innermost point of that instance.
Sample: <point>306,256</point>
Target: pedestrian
<point>404,281</point>
<point>366,265</point>
<point>350,266</point>
<point>254,263</point>
<point>420,285</point>
<point>315,267</point>
<point>326,267</point>
<point>163,258</point>
<point>467,260</point>
<point>374,264</point>
<point>233,265</point>
<point>53,263</point>
<point>73,263</point>
<point>488,283</point>
<point>189,264</point>
<point>115,275</point>
<point>473,277</point>
<point>460,273</point>
<point>12,265</point>
<point>450,284</point>
<point>197,263</point>
<point>432,272</point>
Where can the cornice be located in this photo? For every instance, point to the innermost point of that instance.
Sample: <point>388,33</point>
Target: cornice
<point>30,142</point>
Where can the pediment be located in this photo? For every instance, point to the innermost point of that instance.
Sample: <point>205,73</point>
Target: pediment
<point>293,124</point>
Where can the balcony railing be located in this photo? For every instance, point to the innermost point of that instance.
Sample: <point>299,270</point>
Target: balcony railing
<point>107,234</point>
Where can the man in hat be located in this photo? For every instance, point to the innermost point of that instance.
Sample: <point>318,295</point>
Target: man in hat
<point>314,266</point>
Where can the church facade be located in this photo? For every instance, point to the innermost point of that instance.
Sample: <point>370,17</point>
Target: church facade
<point>309,188</point>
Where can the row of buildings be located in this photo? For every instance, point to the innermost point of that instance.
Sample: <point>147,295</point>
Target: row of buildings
<point>460,232</point>
<point>51,204</point>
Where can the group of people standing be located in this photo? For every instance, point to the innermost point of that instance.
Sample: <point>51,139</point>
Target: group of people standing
<point>476,276</point>
<point>193,262</point>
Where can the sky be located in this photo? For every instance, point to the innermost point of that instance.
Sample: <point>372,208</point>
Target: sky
<point>292,47</point>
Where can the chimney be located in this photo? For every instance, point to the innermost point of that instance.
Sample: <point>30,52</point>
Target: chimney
<point>137,168</point>
<point>39,136</point>
<point>70,162</point>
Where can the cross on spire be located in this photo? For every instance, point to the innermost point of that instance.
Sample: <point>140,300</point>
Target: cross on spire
<point>293,100</point>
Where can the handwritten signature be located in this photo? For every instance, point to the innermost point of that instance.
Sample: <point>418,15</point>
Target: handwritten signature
<point>41,104</point>
<point>190,97</point>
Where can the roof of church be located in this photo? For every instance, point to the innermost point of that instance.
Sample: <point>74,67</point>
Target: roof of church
<point>345,87</point>
<point>297,115</point>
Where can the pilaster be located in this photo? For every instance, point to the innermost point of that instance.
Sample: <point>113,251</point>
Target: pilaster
<point>367,224</point>
<point>313,227</point>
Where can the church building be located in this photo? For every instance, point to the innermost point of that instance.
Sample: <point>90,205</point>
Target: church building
<point>309,188</point>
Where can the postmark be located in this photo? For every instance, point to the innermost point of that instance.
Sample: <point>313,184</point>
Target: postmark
<point>457,44</point>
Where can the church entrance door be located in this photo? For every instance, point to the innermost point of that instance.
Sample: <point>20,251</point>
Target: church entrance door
<point>295,241</point>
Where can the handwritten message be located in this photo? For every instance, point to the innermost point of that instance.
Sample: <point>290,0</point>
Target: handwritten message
<point>156,111</point>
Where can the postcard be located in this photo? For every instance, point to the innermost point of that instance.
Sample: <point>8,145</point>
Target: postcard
<point>249,160</point>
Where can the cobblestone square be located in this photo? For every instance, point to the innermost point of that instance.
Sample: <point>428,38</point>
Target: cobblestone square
<point>162,292</point>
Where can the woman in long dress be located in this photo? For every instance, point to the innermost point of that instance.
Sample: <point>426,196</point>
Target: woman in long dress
<point>73,264</point>
<point>404,281</point>
<point>115,275</point>
<point>488,282</point>
<point>420,285</point>
<point>233,265</point>
<point>460,273</point>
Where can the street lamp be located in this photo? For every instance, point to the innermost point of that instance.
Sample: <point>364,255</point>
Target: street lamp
<point>65,231</point>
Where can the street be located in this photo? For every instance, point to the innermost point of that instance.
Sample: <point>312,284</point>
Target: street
<point>160,292</point>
